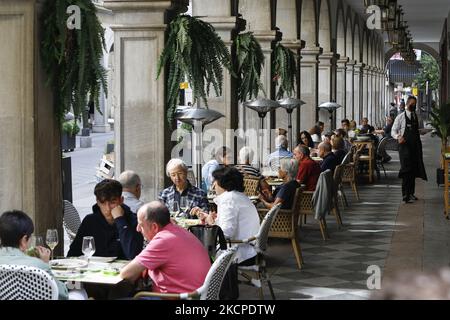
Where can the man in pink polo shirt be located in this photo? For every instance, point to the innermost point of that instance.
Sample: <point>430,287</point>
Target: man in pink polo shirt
<point>176,260</point>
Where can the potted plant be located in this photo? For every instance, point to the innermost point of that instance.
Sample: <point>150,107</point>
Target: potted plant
<point>70,129</point>
<point>195,53</point>
<point>284,70</point>
<point>440,121</point>
<point>248,67</point>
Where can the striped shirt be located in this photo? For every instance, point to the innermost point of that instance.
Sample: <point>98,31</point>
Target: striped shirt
<point>196,197</point>
<point>248,170</point>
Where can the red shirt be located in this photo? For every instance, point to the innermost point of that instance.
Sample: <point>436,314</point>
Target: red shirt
<point>176,260</point>
<point>308,173</point>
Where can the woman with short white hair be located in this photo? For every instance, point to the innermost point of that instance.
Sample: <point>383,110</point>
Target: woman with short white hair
<point>285,193</point>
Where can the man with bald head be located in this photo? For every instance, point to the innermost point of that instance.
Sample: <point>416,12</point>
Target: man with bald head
<point>175,259</point>
<point>131,190</point>
<point>329,160</point>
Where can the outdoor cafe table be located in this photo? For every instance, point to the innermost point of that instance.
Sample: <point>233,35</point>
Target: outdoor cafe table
<point>100,270</point>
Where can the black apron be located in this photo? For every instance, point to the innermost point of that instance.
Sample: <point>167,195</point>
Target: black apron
<point>410,152</point>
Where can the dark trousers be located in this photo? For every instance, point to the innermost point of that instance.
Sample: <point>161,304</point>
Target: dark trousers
<point>408,184</point>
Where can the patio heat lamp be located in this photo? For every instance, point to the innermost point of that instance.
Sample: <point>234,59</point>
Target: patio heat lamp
<point>330,107</point>
<point>198,118</point>
<point>262,106</point>
<point>290,104</point>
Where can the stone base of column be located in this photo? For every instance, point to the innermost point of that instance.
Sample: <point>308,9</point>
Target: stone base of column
<point>85,142</point>
<point>101,128</point>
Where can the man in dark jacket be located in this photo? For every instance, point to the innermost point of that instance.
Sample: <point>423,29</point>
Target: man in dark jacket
<point>112,224</point>
<point>329,159</point>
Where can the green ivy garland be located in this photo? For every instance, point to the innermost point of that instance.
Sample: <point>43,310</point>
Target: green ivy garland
<point>72,58</point>
<point>250,61</point>
<point>284,70</point>
<point>193,52</point>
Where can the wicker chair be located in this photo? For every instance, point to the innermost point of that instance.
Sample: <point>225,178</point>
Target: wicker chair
<point>210,288</point>
<point>71,220</point>
<point>349,172</point>
<point>285,226</point>
<point>251,186</point>
<point>307,208</point>
<point>26,283</point>
<point>340,195</point>
<point>260,243</point>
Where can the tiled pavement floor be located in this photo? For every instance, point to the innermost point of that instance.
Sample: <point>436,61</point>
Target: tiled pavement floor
<point>337,268</point>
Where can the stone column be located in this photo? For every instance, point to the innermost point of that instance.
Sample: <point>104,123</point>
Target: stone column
<point>218,13</point>
<point>286,21</point>
<point>350,86</point>
<point>376,97</point>
<point>327,88</point>
<point>341,91</point>
<point>370,102</point>
<point>358,97</point>
<point>30,157</point>
<point>257,14</point>
<point>141,137</point>
<point>365,92</point>
<point>101,119</point>
<point>309,69</point>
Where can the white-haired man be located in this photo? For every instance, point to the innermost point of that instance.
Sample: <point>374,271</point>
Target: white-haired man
<point>177,171</point>
<point>281,152</point>
<point>131,190</point>
<point>246,157</point>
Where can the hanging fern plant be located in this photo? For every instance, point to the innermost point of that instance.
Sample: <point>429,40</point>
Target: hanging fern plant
<point>284,70</point>
<point>194,51</point>
<point>72,57</point>
<point>250,61</point>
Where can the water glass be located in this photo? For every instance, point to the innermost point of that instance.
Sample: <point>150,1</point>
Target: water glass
<point>88,247</point>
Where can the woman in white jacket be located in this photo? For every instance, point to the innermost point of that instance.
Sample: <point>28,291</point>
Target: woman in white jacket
<point>236,214</point>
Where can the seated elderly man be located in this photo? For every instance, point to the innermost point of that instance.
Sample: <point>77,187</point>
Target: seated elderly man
<point>285,193</point>
<point>131,190</point>
<point>281,145</point>
<point>112,224</point>
<point>246,157</point>
<point>177,170</point>
<point>329,158</point>
<point>308,170</point>
<point>221,157</point>
<point>176,261</point>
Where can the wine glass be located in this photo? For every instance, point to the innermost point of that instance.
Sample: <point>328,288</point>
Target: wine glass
<point>88,247</point>
<point>174,209</point>
<point>36,241</point>
<point>183,204</point>
<point>52,240</point>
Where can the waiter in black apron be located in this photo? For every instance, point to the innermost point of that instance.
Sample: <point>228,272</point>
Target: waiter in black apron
<point>406,130</point>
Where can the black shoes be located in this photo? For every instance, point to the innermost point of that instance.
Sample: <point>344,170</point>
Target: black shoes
<point>386,160</point>
<point>410,198</point>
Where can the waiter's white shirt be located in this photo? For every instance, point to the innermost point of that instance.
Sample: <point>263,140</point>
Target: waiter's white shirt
<point>399,126</point>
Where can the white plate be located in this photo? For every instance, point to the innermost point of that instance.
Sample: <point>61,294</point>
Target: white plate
<point>101,259</point>
<point>67,263</point>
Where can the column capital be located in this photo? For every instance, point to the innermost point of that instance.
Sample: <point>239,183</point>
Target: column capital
<point>351,62</point>
<point>311,51</point>
<point>293,44</point>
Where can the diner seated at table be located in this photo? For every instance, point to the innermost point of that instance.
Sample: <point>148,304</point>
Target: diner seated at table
<point>316,133</point>
<point>221,157</point>
<point>337,146</point>
<point>308,169</point>
<point>306,140</point>
<point>236,214</point>
<point>343,134</point>
<point>177,171</point>
<point>112,224</point>
<point>16,228</point>
<point>285,193</point>
<point>131,190</point>
<point>366,127</point>
<point>352,129</point>
<point>345,125</point>
<point>246,155</point>
<point>281,152</point>
<point>329,159</point>
<point>176,261</point>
